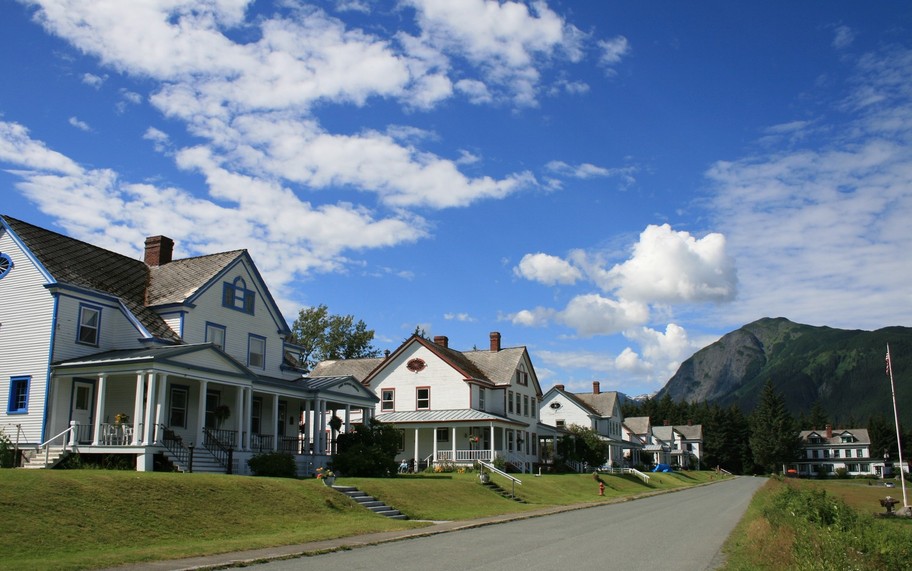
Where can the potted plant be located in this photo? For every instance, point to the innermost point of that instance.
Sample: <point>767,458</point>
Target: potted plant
<point>221,413</point>
<point>327,475</point>
<point>121,418</point>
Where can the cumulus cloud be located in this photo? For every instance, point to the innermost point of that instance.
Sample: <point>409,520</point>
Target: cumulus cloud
<point>79,124</point>
<point>547,269</point>
<point>674,267</point>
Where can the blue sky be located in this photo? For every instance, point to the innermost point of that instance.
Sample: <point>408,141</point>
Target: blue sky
<point>612,184</point>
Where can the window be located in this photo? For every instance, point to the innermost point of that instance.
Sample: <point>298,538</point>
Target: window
<point>510,401</point>
<point>481,398</point>
<point>388,400</point>
<point>836,453</point>
<point>235,295</point>
<point>256,415</point>
<point>89,325</point>
<point>522,377</point>
<point>215,334</point>
<point>443,434</point>
<point>518,404</point>
<point>559,423</point>
<point>256,352</point>
<point>525,405</point>
<point>423,398</point>
<point>18,397</point>
<point>178,416</point>
<point>6,264</point>
<point>859,453</point>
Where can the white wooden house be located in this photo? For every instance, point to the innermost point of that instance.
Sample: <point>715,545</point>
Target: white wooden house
<point>599,411</point>
<point>455,406</point>
<point>153,358</point>
<point>825,451</point>
<point>684,442</point>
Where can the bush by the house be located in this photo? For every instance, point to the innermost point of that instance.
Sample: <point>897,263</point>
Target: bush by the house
<point>273,464</point>
<point>368,451</point>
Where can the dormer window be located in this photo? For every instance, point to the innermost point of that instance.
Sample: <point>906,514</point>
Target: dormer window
<point>89,325</point>
<point>522,377</point>
<point>235,295</point>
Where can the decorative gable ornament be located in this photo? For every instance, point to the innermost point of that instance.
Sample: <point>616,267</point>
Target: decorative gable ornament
<point>416,365</point>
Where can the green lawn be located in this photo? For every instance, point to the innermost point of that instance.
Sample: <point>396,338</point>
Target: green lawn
<point>81,519</point>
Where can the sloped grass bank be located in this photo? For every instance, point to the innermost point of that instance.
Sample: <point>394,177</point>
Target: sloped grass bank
<point>84,519</point>
<point>809,525</point>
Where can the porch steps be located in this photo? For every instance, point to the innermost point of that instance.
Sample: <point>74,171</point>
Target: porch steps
<point>502,492</point>
<point>203,461</point>
<point>35,460</point>
<point>370,502</point>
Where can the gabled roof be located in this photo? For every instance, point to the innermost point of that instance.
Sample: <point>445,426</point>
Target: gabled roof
<point>161,355</point>
<point>860,434</point>
<point>72,262</point>
<point>638,424</point>
<point>357,368</point>
<point>690,431</point>
<point>179,280</point>
<point>497,366</point>
<point>602,403</point>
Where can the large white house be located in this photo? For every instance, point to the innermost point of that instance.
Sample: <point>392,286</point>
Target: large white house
<point>153,358</point>
<point>599,411</point>
<point>825,451</point>
<point>455,406</point>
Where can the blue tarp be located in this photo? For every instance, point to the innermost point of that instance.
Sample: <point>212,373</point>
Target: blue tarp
<point>662,468</point>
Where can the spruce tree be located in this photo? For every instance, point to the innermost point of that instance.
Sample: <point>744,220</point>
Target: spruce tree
<point>774,437</point>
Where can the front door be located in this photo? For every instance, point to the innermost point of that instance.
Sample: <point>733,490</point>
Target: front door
<point>83,405</point>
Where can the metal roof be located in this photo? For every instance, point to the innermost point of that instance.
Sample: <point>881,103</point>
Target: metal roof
<point>437,416</point>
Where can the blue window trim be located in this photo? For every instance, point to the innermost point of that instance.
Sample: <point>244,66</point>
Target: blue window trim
<point>251,337</point>
<point>13,406</point>
<point>83,307</point>
<point>223,329</point>
<point>6,264</point>
<point>236,296</point>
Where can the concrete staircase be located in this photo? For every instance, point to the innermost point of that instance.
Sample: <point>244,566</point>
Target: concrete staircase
<point>35,459</point>
<point>370,502</point>
<point>502,492</point>
<point>203,461</point>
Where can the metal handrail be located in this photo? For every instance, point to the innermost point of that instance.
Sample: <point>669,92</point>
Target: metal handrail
<point>174,444</point>
<point>71,430</point>
<point>219,450</point>
<point>499,472</point>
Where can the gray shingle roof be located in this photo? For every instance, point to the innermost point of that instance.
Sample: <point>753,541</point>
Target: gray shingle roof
<point>179,280</point>
<point>357,368</point>
<point>80,264</point>
<point>496,366</point>
<point>861,434</point>
<point>602,403</point>
<point>637,424</point>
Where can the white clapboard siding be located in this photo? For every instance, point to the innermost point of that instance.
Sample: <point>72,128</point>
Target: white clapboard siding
<point>26,316</point>
<point>448,390</point>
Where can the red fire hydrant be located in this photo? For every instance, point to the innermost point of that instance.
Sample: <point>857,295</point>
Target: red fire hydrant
<point>601,488</point>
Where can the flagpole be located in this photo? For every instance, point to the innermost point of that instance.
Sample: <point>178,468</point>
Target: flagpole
<point>902,477</point>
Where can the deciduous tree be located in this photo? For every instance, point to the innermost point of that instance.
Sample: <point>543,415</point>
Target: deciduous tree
<point>323,336</point>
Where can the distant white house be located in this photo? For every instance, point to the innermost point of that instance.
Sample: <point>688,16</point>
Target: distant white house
<point>455,406</point>
<point>825,451</point>
<point>599,411</point>
<point>148,359</point>
<point>684,442</point>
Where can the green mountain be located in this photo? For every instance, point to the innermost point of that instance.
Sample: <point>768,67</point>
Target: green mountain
<point>845,370</point>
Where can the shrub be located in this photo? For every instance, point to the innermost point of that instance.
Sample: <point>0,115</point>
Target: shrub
<point>368,451</point>
<point>273,464</point>
<point>7,454</point>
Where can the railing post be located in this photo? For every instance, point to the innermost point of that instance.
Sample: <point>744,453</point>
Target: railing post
<point>74,428</point>
<point>190,459</point>
<point>230,458</point>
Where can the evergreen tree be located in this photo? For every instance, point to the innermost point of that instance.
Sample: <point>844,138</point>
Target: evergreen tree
<point>817,418</point>
<point>773,435</point>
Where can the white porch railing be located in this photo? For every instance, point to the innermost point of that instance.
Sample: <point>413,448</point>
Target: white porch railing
<point>634,471</point>
<point>67,439</point>
<point>464,456</point>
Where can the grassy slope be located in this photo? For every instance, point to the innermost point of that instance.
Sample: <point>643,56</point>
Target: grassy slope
<point>79,519</point>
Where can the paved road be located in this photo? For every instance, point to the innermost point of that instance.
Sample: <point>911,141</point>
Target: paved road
<point>678,531</point>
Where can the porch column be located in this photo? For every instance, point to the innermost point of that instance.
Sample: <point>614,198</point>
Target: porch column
<point>493,447</point>
<point>321,427</point>
<point>201,412</point>
<point>275,423</point>
<point>239,414</point>
<point>99,408</point>
<point>453,440</point>
<point>138,407</point>
<point>308,427</point>
<point>348,414</point>
<point>149,421</point>
<point>417,457</point>
<point>248,399</point>
<point>433,446</point>
<point>159,409</point>
<point>367,414</point>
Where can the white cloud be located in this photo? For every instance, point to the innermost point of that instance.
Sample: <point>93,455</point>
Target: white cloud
<point>821,233</point>
<point>843,36</point>
<point>593,314</point>
<point>673,267</point>
<point>79,124</point>
<point>612,51</point>
<point>93,80</point>
<point>463,317</point>
<point>586,171</point>
<point>546,269</point>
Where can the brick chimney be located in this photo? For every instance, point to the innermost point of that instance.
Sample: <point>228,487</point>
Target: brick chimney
<point>495,342</point>
<point>158,250</point>
<point>829,431</point>
<point>596,389</point>
<point>559,387</point>
<point>442,340</point>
